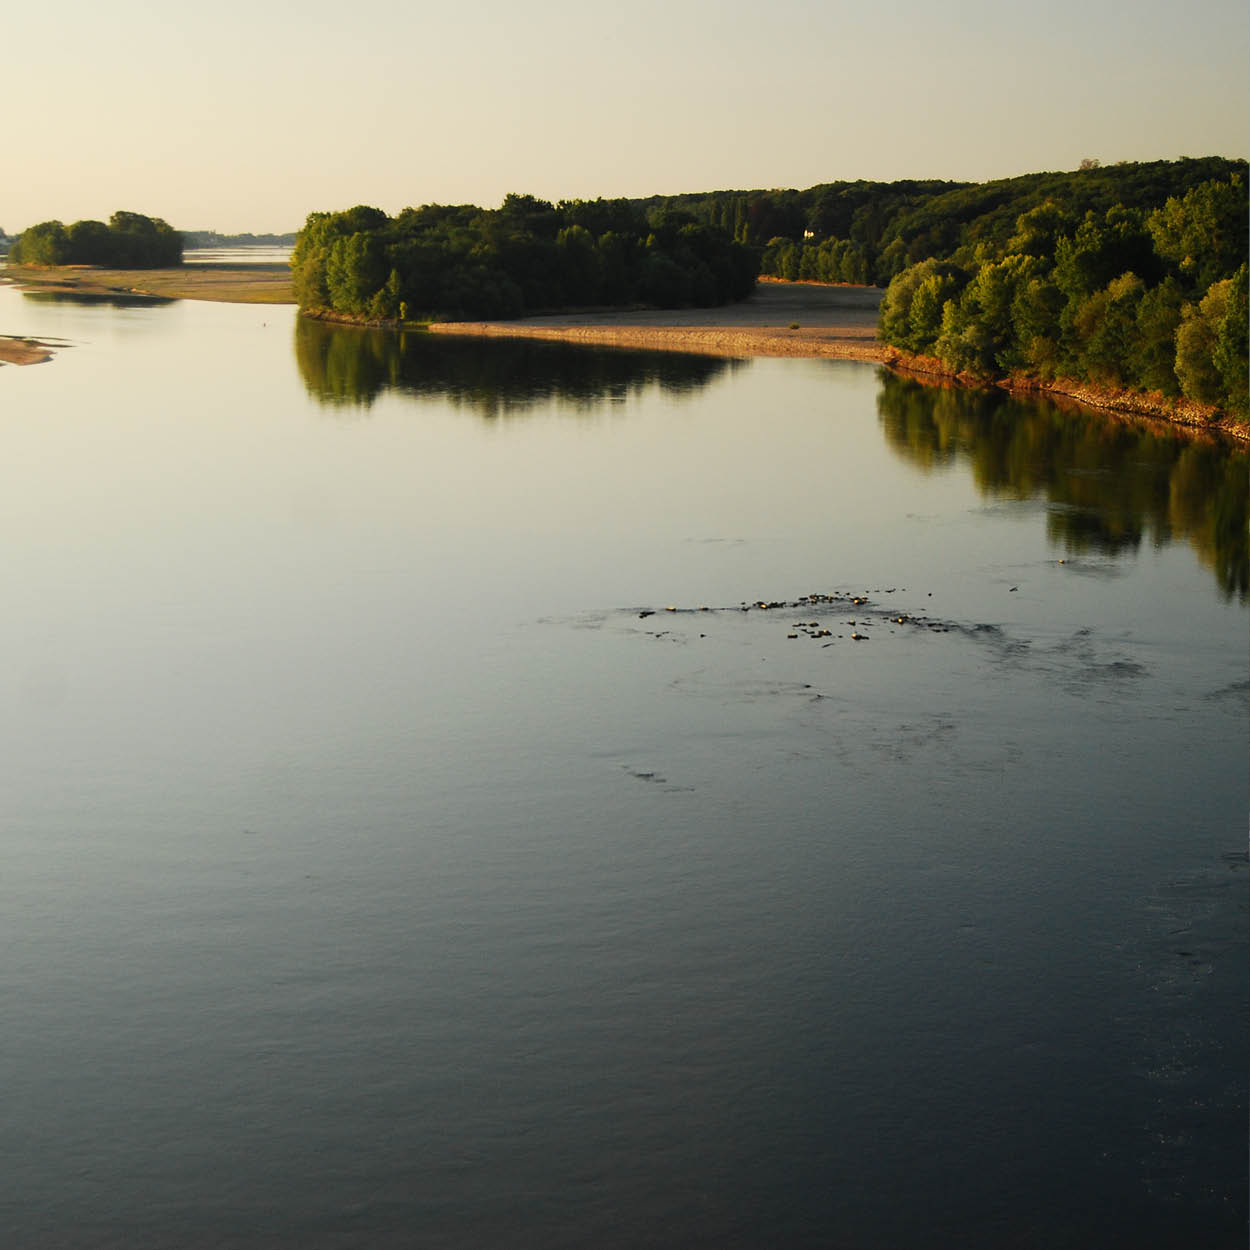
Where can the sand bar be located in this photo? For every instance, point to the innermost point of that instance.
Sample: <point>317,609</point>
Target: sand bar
<point>16,351</point>
<point>224,284</point>
<point>779,319</point>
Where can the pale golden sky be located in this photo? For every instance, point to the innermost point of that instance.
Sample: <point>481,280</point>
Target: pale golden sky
<point>248,116</point>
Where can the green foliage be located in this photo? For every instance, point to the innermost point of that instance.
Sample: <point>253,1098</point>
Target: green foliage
<point>987,341</point>
<point>1101,249</point>
<point>355,270</point>
<point>899,224</point>
<point>1035,319</point>
<point>90,243</point>
<point>44,244</point>
<point>781,258</point>
<point>528,255</point>
<point>1108,296</point>
<point>1196,339</point>
<point>128,241</point>
<point>911,311</point>
<point>1106,325</point>
<point>1039,230</point>
<point>1202,234</point>
<point>1154,355</point>
<point>140,242</point>
<point>1231,354</point>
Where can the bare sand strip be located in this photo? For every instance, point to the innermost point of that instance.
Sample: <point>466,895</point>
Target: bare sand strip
<point>815,320</point>
<point>779,319</point>
<point>226,284</point>
<point>223,284</point>
<point>15,351</point>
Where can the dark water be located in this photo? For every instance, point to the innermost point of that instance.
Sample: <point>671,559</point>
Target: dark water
<point>377,873</point>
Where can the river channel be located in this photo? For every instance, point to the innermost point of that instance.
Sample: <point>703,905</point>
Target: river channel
<point>472,793</point>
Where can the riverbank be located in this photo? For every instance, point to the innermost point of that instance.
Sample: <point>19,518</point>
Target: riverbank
<point>225,284</point>
<point>779,319</point>
<point>19,351</point>
<point>1117,401</point>
<point>806,319</point>
<point>816,320</point>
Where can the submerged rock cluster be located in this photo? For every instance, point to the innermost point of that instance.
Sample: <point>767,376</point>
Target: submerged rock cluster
<point>823,631</point>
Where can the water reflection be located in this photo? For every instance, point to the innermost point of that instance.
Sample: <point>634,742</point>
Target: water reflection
<point>350,366</point>
<point>1111,484</point>
<point>97,299</point>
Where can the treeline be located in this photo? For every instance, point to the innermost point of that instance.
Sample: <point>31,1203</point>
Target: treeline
<point>128,241</point>
<point>210,238</point>
<point>871,231</point>
<point>461,261</point>
<point>860,210</point>
<point>1150,299</point>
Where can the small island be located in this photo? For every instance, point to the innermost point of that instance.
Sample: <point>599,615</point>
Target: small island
<point>126,241</point>
<point>458,262</point>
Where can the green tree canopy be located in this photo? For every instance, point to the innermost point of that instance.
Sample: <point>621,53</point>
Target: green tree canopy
<point>128,241</point>
<point>527,255</point>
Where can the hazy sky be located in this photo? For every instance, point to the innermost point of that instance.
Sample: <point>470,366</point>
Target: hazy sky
<point>247,116</point>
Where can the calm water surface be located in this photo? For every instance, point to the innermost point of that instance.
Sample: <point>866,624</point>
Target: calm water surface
<point>376,872</point>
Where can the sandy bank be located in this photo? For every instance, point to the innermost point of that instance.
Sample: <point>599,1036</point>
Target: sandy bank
<point>779,319</point>
<point>15,351</point>
<point>224,284</point>
<point>810,319</point>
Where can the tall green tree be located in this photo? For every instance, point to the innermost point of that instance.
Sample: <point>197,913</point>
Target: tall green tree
<point>1203,234</point>
<point>46,243</point>
<point>1196,339</point>
<point>1231,353</point>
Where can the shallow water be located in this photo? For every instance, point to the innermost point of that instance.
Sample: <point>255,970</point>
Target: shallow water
<point>376,872</point>
<point>256,254</point>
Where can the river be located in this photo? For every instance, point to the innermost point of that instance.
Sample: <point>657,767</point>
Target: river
<point>419,829</point>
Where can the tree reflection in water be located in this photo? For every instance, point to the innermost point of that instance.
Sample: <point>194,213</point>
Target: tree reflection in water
<point>351,366</point>
<point>1110,483</point>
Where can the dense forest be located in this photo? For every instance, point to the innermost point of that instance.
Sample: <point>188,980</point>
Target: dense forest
<point>1149,299</point>
<point>870,232</point>
<point>461,261</point>
<point>1127,276</point>
<point>128,241</point>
